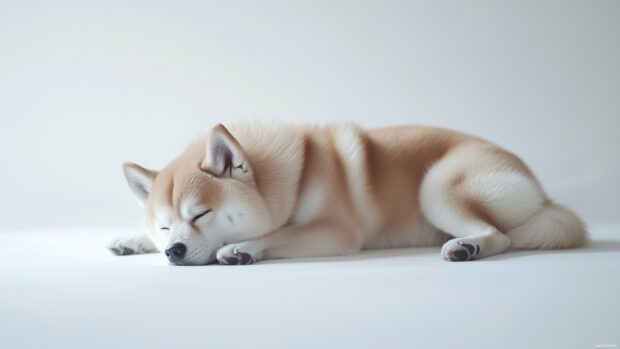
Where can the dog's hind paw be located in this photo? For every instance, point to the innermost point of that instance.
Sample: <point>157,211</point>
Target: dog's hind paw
<point>237,254</point>
<point>457,250</point>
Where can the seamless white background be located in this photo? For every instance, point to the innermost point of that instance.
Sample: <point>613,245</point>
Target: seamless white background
<point>87,85</point>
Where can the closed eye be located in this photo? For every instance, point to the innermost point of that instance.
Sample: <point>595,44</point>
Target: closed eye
<point>164,228</point>
<point>197,217</point>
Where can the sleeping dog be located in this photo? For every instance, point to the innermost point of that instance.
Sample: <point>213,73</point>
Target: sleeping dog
<point>261,191</point>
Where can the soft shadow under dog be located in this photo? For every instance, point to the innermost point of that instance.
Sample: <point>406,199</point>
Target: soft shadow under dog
<point>596,246</point>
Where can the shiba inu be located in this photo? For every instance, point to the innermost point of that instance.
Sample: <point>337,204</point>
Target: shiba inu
<point>261,191</point>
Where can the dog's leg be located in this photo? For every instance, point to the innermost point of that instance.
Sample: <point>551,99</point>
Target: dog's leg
<point>472,195</point>
<point>310,240</point>
<point>486,242</point>
<point>134,245</point>
<point>475,237</point>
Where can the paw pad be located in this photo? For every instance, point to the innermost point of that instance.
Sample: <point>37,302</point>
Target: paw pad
<point>238,258</point>
<point>121,250</point>
<point>465,252</point>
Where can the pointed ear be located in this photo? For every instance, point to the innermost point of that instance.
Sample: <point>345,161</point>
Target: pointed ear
<point>140,180</point>
<point>225,157</point>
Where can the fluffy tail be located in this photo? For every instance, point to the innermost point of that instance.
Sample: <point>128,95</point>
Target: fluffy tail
<point>554,227</point>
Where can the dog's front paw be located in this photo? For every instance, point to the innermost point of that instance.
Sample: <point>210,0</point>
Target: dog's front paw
<point>121,247</point>
<point>134,245</point>
<point>236,254</point>
<point>457,250</point>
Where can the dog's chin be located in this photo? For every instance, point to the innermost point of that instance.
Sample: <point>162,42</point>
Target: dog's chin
<point>210,260</point>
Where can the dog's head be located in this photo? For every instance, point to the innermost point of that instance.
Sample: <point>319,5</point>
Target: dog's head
<point>202,200</point>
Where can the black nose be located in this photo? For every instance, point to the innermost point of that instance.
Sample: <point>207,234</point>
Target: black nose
<point>176,252</point>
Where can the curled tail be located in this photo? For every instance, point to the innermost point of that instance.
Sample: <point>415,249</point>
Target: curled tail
<point>554,227</point>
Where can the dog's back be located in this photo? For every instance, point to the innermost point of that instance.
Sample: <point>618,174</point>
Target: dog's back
<point>415,186</point>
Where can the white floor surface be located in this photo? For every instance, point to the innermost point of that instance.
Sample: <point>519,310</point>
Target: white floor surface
<point>63,289</point>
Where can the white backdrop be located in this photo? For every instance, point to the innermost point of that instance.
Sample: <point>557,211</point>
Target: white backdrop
<point>86,85</point>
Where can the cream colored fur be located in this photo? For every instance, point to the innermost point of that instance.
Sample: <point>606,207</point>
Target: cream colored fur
<point>261,191</point>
